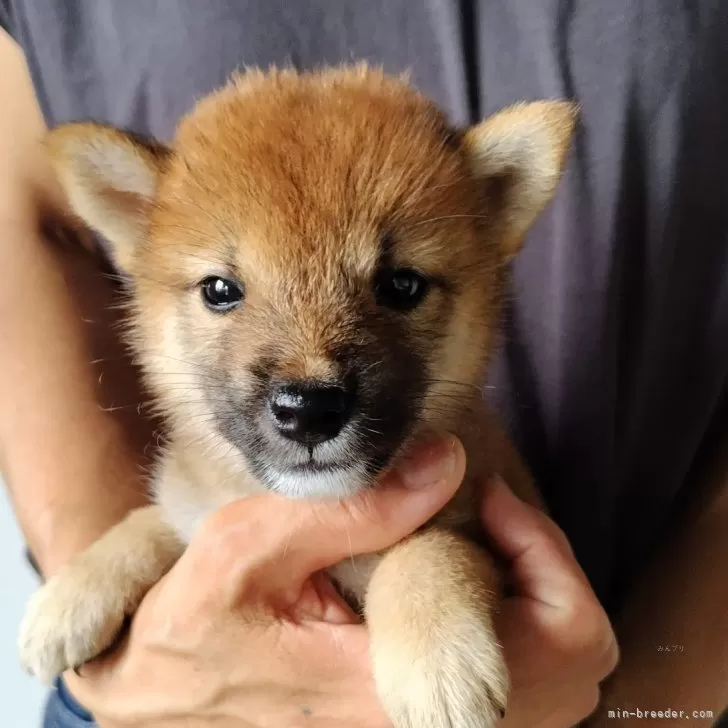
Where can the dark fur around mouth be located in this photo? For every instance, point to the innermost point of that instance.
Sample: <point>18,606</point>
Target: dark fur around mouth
<point>391,389</point>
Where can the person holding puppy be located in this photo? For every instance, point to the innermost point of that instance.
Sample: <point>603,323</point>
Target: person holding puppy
<point>60,450</point>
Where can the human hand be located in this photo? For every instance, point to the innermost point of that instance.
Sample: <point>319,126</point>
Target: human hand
<point>240,634</point>
<point>557,639</point>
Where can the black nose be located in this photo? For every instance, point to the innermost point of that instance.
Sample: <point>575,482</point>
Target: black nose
<point>310,413</point>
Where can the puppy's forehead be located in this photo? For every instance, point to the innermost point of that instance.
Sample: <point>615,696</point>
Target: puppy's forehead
<point>290,165</point>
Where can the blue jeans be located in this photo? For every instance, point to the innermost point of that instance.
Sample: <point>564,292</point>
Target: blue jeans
<point>63,711</point>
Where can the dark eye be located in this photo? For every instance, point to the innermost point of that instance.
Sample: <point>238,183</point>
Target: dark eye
<point>401,290</point>
<point>220,294</point>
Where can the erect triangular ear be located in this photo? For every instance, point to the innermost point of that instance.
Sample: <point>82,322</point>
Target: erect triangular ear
<point>521,151</point>
<point>110,178</point>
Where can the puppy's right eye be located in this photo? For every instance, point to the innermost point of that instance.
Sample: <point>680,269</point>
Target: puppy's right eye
<point>220,294</point>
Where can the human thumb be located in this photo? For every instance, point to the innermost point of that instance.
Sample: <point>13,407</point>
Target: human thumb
<point>327,532</point>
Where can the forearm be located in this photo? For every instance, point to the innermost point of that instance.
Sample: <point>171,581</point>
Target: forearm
<point>72,468</point>
<point>673,632</point>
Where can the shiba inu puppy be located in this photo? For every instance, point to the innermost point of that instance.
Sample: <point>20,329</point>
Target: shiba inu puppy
<point>315,270</point>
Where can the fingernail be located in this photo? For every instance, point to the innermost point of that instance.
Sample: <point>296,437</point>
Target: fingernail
<point>431,464</point>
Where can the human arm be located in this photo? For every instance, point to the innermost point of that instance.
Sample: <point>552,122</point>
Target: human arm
<point>72,468</point>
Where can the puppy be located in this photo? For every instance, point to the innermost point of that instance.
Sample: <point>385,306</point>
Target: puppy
<point>315,270</point>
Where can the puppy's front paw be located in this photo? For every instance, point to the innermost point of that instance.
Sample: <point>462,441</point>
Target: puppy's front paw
<point>79,612</point>
<point>70,620</point>
<point>452,677</point>
<point>437,661</point>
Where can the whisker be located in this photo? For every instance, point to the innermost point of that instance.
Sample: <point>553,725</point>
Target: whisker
<point>371,366</point>
<point>442,218</point>
<point>370,430</point>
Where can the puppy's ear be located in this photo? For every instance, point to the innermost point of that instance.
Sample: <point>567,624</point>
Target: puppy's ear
<point>519,153</point>
<point>110,178</point>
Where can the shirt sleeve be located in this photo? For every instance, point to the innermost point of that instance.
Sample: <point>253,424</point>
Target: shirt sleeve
<point>6,17</point>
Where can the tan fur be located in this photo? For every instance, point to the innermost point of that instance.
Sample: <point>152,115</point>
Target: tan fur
<point>293,180</point>
<point>80,610</point>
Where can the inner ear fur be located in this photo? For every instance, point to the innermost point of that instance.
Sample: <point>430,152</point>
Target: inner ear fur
<point>519,154</point>
<point>110,178</point>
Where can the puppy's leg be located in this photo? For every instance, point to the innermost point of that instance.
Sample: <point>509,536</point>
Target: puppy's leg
<point>80,610</point>
<point>437,662</point>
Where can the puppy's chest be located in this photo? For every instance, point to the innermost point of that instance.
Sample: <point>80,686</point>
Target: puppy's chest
<point>188,494</point>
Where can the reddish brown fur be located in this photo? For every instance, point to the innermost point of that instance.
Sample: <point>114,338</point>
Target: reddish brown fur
<point>315,192</point>
<point>296,179</point>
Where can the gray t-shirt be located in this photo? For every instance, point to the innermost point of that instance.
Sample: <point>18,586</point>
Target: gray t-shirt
<point>615,354</point>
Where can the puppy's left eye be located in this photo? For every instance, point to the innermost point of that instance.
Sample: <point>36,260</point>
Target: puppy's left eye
<point>221,294</point>
<point>402,289</point>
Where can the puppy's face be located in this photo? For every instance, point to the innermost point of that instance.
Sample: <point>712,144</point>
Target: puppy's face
<point>315,263</point>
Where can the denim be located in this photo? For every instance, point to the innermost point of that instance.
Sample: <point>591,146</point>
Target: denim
<point>63,710</point>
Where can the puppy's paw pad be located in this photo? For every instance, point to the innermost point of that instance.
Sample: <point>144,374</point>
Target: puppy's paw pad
<point>69,621</point>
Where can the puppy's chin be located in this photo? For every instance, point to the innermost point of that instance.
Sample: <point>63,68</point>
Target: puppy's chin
<point>337,468</point>
<point>320,483</point>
